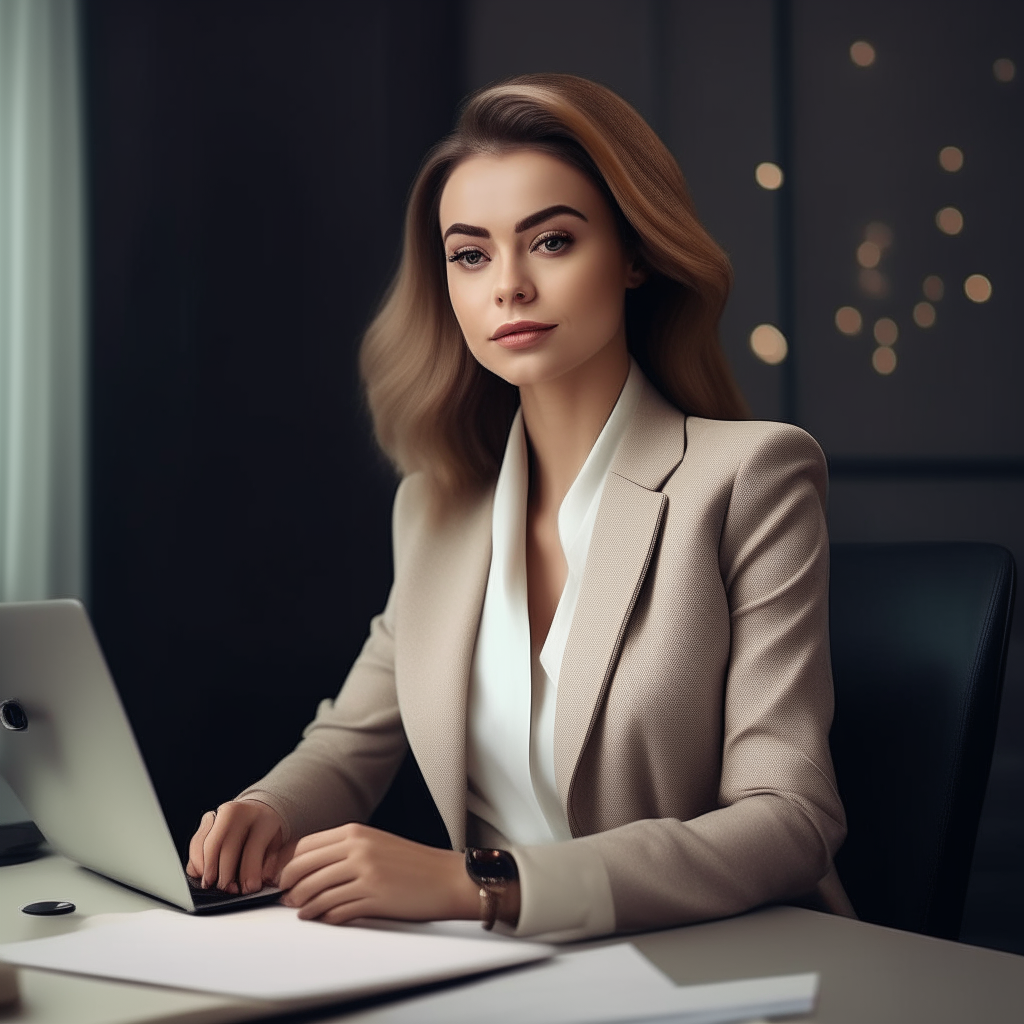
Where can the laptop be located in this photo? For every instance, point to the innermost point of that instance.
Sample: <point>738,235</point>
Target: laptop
<point>69,753</point>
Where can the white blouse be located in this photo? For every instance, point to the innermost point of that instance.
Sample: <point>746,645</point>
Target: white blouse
<point>511,710</point>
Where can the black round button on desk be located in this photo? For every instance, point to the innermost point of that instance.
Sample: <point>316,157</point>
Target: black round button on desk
<point>49,908</point>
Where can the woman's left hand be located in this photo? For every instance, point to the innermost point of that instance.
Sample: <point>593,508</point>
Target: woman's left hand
<point>358,871</point>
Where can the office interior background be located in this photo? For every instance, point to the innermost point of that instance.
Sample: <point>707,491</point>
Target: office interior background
<point>204,203</point>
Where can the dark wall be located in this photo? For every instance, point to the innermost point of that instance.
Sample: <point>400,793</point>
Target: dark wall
<point>248,163</point>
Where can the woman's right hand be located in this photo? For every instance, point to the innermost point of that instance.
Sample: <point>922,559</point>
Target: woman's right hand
<point>239,847</point>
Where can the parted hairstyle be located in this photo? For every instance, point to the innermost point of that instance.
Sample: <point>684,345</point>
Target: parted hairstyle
<point>434,407</point>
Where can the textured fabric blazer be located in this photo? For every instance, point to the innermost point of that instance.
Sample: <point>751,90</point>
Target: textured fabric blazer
<point>694,701</point>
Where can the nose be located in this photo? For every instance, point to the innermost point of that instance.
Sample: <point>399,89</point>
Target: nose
<point>514,286</point>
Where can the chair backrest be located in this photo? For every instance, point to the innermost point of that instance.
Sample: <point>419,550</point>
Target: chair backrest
<point>919,636</point>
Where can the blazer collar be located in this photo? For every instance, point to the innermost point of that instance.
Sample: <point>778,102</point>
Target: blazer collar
<point>628,523</point>
<point>654,442</point>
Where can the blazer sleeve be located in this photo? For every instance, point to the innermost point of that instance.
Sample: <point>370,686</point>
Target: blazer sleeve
<point>351,751</point>
<point>779,819</point>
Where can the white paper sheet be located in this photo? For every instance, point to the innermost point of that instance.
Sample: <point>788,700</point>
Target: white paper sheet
<point>609,985</point>
<point>268,953</point>
<point>265,953</point>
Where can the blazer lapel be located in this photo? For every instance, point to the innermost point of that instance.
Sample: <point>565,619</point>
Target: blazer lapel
<point>625,534</point>
<point>435,638</point>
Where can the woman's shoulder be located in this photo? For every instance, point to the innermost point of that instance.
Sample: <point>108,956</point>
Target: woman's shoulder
<point>744,442</point>
<point>755,479</point>
<point>748,460</point>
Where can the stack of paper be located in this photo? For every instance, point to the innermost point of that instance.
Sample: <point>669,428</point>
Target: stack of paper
<point>265,953</point>
<point>610,985</point>
<point>269,954</point>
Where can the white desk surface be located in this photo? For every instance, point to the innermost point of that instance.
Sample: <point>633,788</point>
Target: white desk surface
<point>867,973</point>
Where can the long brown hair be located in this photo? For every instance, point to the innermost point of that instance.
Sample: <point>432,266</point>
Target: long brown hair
<point>434,407</point>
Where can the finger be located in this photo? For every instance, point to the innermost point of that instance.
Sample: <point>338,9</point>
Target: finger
<point>303,864</point>
<point>212,844</point>
<point>231,824</point>
<point>231,854</point>
<point>196,860</point>
<point>346,912</point>
<point>330,836</point>
<point>263,833</point>
<point>335,898</point>
<point>313,885</point>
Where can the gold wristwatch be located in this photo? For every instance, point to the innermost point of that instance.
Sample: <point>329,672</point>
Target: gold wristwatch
<point>494,871</point>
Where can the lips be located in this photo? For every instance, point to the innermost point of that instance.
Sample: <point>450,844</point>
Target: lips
<point>520,332</point>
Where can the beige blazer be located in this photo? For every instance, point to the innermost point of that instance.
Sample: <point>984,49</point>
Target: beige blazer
<point>694,701</point>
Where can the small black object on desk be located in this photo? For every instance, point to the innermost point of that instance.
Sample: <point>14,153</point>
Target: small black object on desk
<point>49,908</point>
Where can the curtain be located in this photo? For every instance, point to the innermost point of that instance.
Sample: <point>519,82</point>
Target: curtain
<point>42,414</point>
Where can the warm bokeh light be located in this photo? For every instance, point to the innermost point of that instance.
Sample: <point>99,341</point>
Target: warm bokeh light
<point>879,233</point>
<point>1004,69</point>
<point>868,254</point>
<point>978,288</point>
<point>768,344</point>
<point>849,320</point>
<point>951,158</point>
<point>924,314</point>
<point>769,176</point>
<point>862,54</point>
<point>884,361</point>
<point>933,288</point>
<point>874,283</point>
<point>950,220</point>
<point>886,331</point>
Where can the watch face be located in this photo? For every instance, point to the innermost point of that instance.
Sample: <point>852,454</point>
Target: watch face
<point>490,866</point>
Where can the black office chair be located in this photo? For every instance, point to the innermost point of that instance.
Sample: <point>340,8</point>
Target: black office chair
<point>919,636</point>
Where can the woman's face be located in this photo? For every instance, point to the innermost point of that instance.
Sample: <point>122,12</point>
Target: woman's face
<point>537,274</point>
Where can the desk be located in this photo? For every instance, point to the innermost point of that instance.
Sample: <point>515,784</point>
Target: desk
<point>867,973</point>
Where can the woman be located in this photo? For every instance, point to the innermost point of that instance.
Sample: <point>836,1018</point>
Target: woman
<point>606,642</point>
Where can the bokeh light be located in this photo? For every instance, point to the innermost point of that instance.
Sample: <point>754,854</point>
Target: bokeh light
<point>769,176</point>
<point>862,54</point>
<point>873,283</point>
<point>978,288</point>
<point>768,344</point>
<point>879,233</point>
<point>886,332</point>
<point>924,314</point>
<point>868,254</point>
<point>848,320</point>
<point>933,288</point>
<point>883,360</point>
<point>1004,69</point>
<point>950,220</point>
<point>951,158</point>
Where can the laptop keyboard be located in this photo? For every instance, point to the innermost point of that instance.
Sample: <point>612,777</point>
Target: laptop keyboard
<point>212,897</point>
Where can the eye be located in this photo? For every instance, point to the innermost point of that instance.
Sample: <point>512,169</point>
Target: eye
<point>552,242</point>
<point>468,257</point>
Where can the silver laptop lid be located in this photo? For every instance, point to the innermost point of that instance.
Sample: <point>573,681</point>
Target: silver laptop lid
<point>75,765</point>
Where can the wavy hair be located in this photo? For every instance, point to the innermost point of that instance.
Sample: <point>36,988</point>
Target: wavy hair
<point>434,408</point>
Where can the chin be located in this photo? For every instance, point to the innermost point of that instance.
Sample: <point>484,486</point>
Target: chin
<point>522,369</point>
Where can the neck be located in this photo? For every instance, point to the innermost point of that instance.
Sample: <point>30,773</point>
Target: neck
<point>563,419</point>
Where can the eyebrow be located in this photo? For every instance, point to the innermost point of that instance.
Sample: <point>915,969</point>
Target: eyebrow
<point>524,225</point>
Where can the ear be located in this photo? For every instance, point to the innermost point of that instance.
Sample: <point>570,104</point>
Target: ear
<point>636,274</point>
